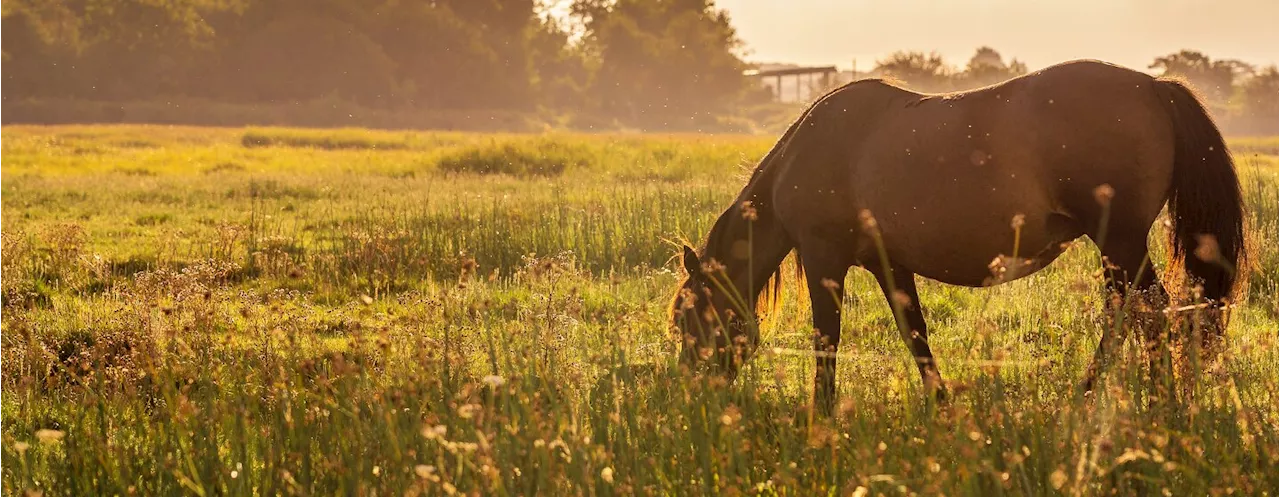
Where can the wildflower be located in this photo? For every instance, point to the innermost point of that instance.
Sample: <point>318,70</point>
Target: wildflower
<point>48,436</point>
<point>1058,478</point>
<point>1207,248</point>
<point>869,224</point>
<point>1018,221</point>
<point>1103,194</point>
<point>607,474</point>
<point>749,211</point>
<point>687,299</point>
<point>901,299</point>
<point>731,415</point>
<point>434,432</point>
<point>467,268</point>
<point>711,267</point>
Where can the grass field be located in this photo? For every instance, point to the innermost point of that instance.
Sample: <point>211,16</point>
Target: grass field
<point>273,311</point>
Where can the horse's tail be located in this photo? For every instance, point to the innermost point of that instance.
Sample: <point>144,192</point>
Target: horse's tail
<point>1205,204</point>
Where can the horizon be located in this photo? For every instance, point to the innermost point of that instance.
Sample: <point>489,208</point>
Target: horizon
<point>828,32</point>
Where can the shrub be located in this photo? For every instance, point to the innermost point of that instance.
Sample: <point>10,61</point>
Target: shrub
<point>342,139</point>
<point>541,158</point>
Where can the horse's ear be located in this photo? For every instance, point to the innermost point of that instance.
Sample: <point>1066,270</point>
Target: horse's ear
<point>691,263</point>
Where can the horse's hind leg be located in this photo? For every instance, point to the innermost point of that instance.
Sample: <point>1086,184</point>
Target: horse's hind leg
<point>1129,273</point>
<point>899,288</point>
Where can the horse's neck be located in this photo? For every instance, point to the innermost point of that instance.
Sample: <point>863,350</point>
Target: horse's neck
<point>750,247</point>
<point>766,241</point>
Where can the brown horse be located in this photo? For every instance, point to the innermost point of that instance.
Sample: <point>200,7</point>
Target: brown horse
<point>905,184</point>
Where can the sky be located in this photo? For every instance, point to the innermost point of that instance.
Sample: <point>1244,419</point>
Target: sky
<point>1037,32</point>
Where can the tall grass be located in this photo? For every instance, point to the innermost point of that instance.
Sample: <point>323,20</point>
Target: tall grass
<point>329,320</point>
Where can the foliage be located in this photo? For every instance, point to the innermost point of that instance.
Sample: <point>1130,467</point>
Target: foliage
<point>987,67</point>
<point>1261,94</point>
<point>661,60</point>
<point>926,72</point>
<point>643,61</point>
<point>929,72</point>
<point>544,158</point>
<point>1212,78</point>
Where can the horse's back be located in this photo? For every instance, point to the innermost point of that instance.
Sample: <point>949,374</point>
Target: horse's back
<point>945,174</point>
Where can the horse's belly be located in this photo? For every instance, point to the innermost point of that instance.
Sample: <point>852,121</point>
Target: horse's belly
<point>960,251</point>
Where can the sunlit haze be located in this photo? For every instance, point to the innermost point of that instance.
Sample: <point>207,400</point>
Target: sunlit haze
<point>1039,33</point>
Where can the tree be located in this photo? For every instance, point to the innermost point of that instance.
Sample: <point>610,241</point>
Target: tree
<point>639,60</point>
<point>440,60</point>
<point>560,72</point>
<point>660,60</point>
<point>34,65</point>
<point>1212,78</point>
<point>108,49</point>
<point>987,67</point>
<point>917,70</point>
<point>1258,98</point>
<point>304,57</point>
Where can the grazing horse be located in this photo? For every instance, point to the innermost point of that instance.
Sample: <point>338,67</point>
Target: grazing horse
<point>973,188</point>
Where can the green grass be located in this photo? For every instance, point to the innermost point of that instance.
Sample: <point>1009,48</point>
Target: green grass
<point>1261,145</point>
<point>276,311</point>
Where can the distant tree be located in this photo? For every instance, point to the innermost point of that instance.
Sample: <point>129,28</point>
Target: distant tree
<point>440,59</point>
<point>1258,99</point>
<point>34,63</point>
<point>308,56</point>
<point>560,72</point>
<point>504,28</point>
<point>1212,78</point>
<point>108,49</point>
<point>142,48</point>
<point>920,71</point>
<point>987,67</point>
<point>659,60</point>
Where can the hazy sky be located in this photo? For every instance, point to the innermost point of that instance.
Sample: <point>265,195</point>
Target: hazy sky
<point>1040,33</point>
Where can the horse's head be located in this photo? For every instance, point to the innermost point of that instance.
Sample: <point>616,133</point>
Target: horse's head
<point>708,314</point>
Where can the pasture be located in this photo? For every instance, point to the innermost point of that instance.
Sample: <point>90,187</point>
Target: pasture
<point>277,311</point>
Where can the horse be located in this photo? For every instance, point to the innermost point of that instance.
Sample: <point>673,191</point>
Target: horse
<point>973,188</point>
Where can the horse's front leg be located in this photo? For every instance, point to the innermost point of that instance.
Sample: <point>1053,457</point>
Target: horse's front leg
<point>899,288</point>
<point>825,277</point>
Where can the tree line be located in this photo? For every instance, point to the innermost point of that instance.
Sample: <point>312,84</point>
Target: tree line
<point>635,59</point>
<point>647,63</point>
<point>1243,97</point>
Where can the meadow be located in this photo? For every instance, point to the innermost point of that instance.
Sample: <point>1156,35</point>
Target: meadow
<point>219,311</point>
